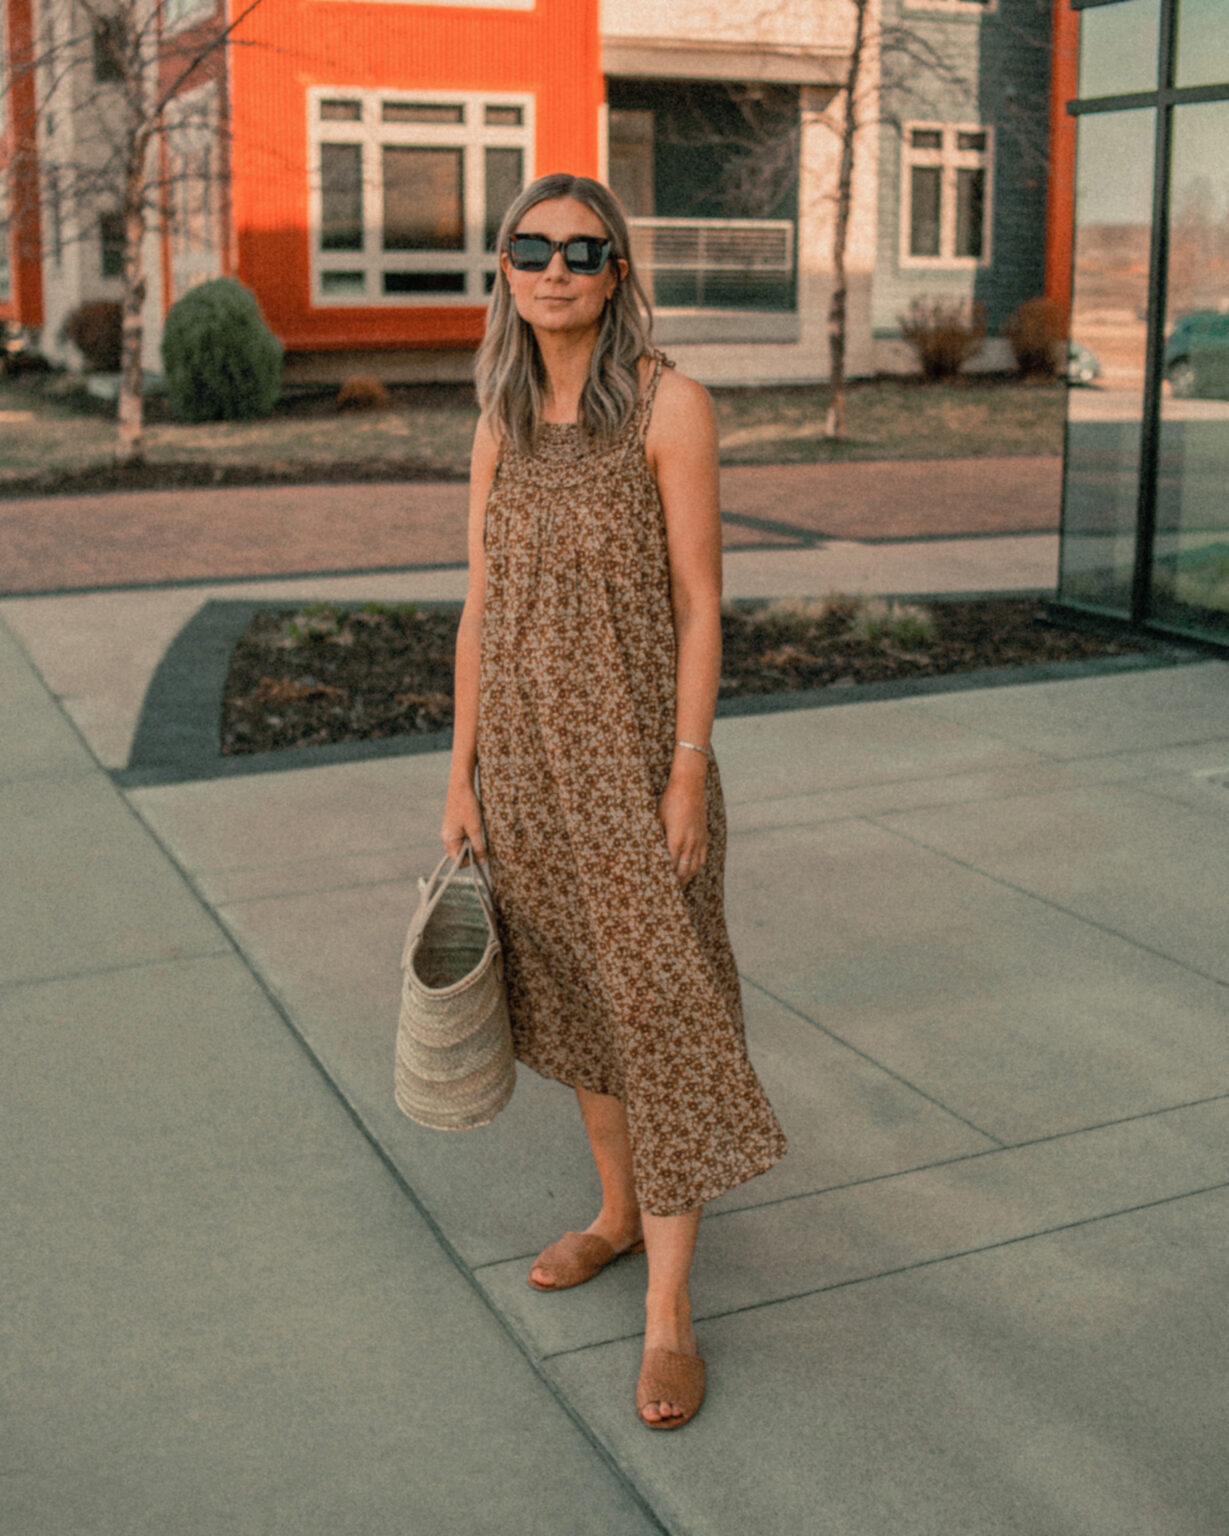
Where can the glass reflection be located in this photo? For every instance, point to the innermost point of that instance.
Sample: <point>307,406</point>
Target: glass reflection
<point>1109,320</point>
<point>1190,575</point>
<point>1203,42</point>
<point>1118,48</point>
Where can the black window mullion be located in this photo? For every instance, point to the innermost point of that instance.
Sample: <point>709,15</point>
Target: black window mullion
<point>1158,279</point>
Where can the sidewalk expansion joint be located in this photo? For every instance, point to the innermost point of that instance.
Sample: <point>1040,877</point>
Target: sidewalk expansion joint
<point>187,583</point>
<point>1002,1149</point>
<point>873,1061</point>
<point>222,952</point>
<point>883,822</point>
<point>919,1264</point>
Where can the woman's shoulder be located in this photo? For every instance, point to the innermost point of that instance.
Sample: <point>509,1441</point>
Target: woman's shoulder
<point>678,397</point>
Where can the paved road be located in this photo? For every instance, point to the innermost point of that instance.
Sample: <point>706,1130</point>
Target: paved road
<point>150,537</point>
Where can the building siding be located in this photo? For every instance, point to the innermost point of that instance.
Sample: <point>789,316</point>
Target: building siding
<point>1003,61</point>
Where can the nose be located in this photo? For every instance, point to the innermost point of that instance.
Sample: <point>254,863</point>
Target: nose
<point>556,266</point>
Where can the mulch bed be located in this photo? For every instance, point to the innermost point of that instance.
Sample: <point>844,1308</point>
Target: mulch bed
<point>329,674</point>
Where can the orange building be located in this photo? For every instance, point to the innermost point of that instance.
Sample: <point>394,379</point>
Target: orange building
<point>21,286</point>
<point>376,146</point>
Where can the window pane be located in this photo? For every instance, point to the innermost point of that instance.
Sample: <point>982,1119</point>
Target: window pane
<point>971,141</point>
<point>110,48</point>
<point>111,239</point>
<point>504,175</point>
<point>1113,228</point>
<point>341,111</point>
<point>503,117</point>
<point>341,197</point>
<point>1190,569</point>
<point>424,282</point>
<point>343,282</point>
<point>970,213</point>
<point>1203,43</point>
<point>423,199</point>
<point>927,138</point>
<point>631,157</point>
<point>423,112</point>
<point>926,186</point>
<point>1118,47</point>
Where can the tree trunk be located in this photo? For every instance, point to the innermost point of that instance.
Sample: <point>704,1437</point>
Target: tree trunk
<point>130,438</point>
<point>838,308</point>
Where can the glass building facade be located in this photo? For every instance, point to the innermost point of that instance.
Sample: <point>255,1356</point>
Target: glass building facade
<point>1145,528</point>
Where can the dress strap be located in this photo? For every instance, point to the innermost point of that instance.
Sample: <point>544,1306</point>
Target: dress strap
<point>644,408</point>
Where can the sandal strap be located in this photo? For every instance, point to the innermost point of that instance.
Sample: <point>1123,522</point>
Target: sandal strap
<point>576,1257</point>
<point>669,1377</point>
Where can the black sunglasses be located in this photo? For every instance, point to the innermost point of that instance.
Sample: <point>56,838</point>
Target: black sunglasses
<point>584,254</point>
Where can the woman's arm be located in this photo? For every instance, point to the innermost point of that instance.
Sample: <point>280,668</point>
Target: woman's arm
<point>682,453</point>
<point>462,812</point>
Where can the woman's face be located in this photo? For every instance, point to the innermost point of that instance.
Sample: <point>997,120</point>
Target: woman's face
<point>557,299</point>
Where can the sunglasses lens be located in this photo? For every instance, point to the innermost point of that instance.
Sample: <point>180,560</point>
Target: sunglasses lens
<point>530,253</point>
<point>586,255</point>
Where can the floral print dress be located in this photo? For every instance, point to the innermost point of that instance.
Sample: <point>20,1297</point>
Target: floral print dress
<point>619,979</point>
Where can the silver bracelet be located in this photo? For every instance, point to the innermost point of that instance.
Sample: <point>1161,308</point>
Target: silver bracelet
<point>703,751</point>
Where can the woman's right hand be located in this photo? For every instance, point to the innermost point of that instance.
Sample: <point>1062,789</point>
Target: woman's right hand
<point>462,819</point>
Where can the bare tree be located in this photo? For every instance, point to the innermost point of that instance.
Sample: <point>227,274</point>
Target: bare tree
<point>121,72</point>
<point>838,317</point>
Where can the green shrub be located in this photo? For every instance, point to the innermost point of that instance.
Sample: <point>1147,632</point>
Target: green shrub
<point>96,330</point>
<point>898,623</point>
<point>222,361</point>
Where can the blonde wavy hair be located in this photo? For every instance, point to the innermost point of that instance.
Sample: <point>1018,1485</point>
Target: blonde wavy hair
<point>508,370</point>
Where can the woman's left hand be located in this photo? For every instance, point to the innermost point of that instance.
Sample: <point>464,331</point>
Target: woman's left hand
<point>683,813</point>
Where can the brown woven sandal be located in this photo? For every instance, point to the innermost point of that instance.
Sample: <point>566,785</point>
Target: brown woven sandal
<point>577,1257</point>
<point>668,1377</point>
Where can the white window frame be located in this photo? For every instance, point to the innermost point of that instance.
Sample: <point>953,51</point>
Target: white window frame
<point>472,137</point>
<point>949,160</point>
<point>970,8</point>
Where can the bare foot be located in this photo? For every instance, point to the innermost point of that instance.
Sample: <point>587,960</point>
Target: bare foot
<point>621,1234</point>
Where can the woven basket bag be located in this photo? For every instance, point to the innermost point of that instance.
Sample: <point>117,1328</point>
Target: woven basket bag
<point>454,1067</point>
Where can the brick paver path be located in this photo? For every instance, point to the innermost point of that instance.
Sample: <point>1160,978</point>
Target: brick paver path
<point>150,537</point>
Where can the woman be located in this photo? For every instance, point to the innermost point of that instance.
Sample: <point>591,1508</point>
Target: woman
<point>587,665</point>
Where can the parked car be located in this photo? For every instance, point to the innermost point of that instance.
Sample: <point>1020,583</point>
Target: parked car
<point>1082,366</point>
<point>1196,360</point>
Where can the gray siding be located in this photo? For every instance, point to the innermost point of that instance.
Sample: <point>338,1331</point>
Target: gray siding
<point>1003,61</point>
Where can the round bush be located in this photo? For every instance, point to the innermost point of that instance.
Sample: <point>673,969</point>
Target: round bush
<point>222,362</point>
<point>96,329</point>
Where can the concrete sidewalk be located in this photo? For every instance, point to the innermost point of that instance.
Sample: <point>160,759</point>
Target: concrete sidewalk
<point>982,942</point>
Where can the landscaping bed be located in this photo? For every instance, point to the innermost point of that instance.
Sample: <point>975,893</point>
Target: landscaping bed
<point>57,439</point>
<point>328,673</point>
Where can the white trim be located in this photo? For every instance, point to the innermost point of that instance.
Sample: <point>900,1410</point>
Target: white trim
<point>178,15</point>
<point>967,8</point>
<point>471,138</point>
<point>948,160</point>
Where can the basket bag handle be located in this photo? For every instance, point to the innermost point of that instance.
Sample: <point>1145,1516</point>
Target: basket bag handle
<point>434,887</point>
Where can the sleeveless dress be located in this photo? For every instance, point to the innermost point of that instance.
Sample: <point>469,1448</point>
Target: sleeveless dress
<point>619,979</point>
